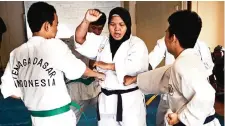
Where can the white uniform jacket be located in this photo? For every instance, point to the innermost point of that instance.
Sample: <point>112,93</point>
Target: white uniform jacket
<point>130,59</point>
<point>35,72</point>
<point>185,82</point>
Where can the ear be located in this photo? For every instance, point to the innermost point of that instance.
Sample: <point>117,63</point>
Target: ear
<point>46,26</point>
<point>174,38</point>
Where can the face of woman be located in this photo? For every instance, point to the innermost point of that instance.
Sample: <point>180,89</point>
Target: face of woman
<point>117,28</point>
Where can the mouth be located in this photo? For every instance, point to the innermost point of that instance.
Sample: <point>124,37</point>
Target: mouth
<point>117,35</point>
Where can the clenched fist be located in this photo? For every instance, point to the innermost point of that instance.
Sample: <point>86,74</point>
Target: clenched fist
<point>128,80</point>
<point>92,15</point>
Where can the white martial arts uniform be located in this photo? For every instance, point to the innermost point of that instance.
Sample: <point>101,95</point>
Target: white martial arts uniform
<point>84,95</point>
<point>130,59</point>
<point>35,72</point>
<point>159,53</point>
<point>188,91</point>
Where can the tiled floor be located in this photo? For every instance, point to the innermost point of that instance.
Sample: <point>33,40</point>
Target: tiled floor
<point>13,113</point>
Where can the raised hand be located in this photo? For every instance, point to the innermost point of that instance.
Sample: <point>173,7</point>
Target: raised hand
<point>128,80</point>
<point>92,15</point>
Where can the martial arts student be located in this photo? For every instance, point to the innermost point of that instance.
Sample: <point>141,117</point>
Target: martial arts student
<point>159,53</point>
<point>190,96</point>
<point>118,55</point>
<point>84,91</point>
<point>35,71</point>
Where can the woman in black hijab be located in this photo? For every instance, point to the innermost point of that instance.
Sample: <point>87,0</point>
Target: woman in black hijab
<point>115,41</point>
<point>119,55</point>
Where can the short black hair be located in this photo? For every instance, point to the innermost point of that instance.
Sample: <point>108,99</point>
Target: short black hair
<point>186,25</point>
<point>38,14</point>
<point>101,20</point>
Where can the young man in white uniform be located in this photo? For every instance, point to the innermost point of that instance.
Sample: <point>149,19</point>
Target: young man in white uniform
<point>190,96</point>
<point>159,53</point>
<point>84,91</point>
<point>117,56</point>
<point>35,71</point>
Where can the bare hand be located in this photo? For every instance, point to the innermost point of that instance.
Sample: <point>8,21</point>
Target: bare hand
<point>172,118</point>
<point>128,80</point>
<point>101,76</point>
<point>92,15</point>
<point>101,65</point>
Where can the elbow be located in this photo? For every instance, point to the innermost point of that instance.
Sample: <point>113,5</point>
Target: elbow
<point>79,38</point>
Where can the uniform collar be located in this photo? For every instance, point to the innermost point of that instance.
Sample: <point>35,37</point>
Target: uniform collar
<point>36,38</point>
<point>187,52</point>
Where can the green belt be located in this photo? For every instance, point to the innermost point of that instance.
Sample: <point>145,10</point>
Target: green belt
<point>84,81</point>
<point>47,113</point>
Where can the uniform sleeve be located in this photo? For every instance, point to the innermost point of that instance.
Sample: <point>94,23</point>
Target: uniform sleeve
<point>8,86</point>
<point>91,45</point>
<point>157,54</point>
<point>135,62</point>
<point>201,96</point>
<point>66,62</point>
<point>206,57</point>
<point>154,81</point>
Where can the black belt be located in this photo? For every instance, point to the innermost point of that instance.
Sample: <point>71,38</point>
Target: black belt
<point>207,120</point>
<point>119,113</point>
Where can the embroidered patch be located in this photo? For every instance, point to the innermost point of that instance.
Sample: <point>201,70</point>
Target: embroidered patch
<point>101,48</point>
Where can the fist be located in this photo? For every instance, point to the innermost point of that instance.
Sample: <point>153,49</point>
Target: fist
<point>172,118</point>
<point>92,15</point>
<point>128,80</point>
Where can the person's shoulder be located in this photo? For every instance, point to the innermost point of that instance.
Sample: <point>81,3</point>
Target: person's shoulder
<point>18,49</point>
<point>201,43</point>
<point>183,65</point>
<point>56,45</point>
<point>92,35</point>
<point>55,42</point>
<point>137,40</point>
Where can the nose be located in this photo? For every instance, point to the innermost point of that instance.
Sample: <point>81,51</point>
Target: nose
<point>117,28</point>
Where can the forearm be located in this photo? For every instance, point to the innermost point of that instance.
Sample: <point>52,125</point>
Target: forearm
<point>81,32</point>
<point>111,66</point>
<point>105,66</point>
<point>90,73</point>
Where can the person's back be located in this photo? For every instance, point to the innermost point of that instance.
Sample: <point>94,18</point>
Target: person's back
<point>38,74</point>
<point>35,71</point>
<point>160,52</point>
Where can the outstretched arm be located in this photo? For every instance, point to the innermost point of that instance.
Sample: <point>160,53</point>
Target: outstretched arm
<point>105,66</point>
<point>151,82</point>
<point>82,29</point>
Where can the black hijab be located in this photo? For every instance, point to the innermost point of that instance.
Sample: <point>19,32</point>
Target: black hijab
<point>125,16</point>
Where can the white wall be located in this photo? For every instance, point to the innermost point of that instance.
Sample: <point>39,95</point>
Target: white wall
<point>212,14</point>
<point>71,13</point>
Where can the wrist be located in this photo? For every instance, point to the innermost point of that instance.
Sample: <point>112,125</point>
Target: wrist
<point>135,79</point>
<point>111,66</point>
<point>86,21</point>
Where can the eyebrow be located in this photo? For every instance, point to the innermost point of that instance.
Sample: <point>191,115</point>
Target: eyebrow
<point>119,22</point>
